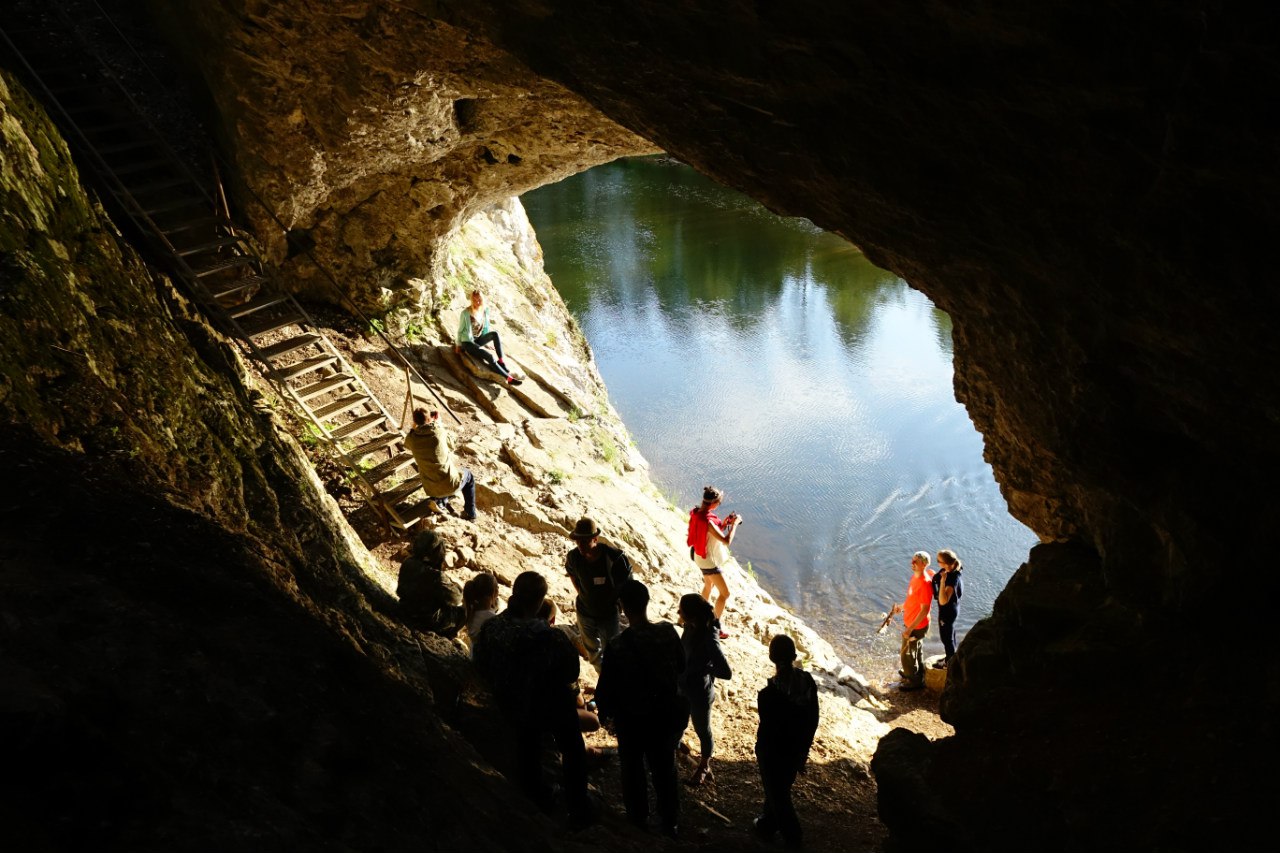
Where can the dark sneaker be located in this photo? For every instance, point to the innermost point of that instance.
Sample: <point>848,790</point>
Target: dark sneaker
<point>909,686</point>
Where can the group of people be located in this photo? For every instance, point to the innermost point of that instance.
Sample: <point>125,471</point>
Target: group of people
<point>653,680</point>
<point>945,586</point>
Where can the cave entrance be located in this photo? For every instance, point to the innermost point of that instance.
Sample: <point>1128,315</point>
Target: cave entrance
<point>770,358</point>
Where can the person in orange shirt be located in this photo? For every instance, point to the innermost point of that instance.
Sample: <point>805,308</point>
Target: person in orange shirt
<point>915,618</point>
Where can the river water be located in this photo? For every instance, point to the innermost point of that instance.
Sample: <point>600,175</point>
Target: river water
<point>767,357</point>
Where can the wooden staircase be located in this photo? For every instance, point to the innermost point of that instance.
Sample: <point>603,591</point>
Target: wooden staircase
<point>216,262</point>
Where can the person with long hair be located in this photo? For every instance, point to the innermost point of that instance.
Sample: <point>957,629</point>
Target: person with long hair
<point>704,663</point>
<point>708,542</point>
<point>475,334</point>
<point>947,589</point>
<point>480,602</point>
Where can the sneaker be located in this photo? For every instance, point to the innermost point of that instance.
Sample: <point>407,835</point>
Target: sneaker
<point>513,380</point>
<point>909,686</point>
<point>724,635</point>
<point>760,829</point>
<point>939,664</point>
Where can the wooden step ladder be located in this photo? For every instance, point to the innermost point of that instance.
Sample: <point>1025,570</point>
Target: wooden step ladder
<point>215,261</point>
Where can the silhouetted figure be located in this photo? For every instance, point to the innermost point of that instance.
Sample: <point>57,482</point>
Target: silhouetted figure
<point>638,690</point>
<point>428,441</point>
<point>704,663</point>
<point>788,720</point>
<point>429,601</point>
<point>532,668</point>
<point>480,600</point>
<point>588,721</point>
<point>947,589</point>
<point>597,571</point>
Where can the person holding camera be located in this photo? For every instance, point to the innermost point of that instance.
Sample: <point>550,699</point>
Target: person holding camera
<point>429,443</point>
<point>708,542</point>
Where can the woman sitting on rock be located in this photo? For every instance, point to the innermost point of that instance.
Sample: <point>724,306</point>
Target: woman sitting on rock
<point>474,335</point>
<point>704,663</point>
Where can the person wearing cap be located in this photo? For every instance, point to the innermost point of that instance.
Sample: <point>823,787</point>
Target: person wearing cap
<point>788,707</point>
<point>915,618</point>
<point>597,571</point>
<point>429,443</point>
<point>429,601</point>
<point>708,540</point>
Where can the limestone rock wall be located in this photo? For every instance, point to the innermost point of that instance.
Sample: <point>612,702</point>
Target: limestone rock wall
<point>192,653</point>
<point>1086,190</point>
<point>372,130</point>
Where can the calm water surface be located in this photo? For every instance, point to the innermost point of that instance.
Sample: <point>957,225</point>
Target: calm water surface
<point>770,358</point>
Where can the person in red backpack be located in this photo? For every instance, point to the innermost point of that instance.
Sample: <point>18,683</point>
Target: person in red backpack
<point>708,542</point>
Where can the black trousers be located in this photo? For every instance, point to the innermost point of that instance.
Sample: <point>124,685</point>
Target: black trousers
<point>562,725</point>
<point>778,814</point>
<point>653,742</point>
<point>947,631</point>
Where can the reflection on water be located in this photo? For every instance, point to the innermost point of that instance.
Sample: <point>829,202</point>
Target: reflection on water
<point>770,358</point>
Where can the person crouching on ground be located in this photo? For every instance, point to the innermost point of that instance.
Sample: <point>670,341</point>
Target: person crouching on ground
<point>708,542</point>
<point>915,619</point>
<point>429,601</point>
<point>704,663</point>
<point>788,721</point>
<point>531,668</point>
<point>428,441</point>
<point>638,690</point>
<point>598,571</point>
<point>480,600</point>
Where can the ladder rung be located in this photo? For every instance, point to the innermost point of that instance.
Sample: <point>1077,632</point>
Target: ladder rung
<point>176,204</point>
<point>187,225</point>
<point>275,324</point>
<point>167,183</point>
<point>221,265</point>
<point>357,426</point>
<point>236,287</point>
<point>323,386</point>
<point>219,243</point>
<point>257,304</point>
<point>131,145</point>
<point>342,405</point>
<point>381,472</point>
<point>141,166</point>
<point>400,492</point>
<point>111,125</point>
<point>404,516</point>
<point>287,346</point>
<point>298,368</point>
<point>382,442</point>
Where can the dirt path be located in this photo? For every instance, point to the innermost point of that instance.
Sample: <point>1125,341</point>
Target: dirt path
<point>836,799</point>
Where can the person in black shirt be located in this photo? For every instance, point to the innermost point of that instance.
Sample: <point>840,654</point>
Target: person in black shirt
<point>788,721</point>
<point>638,690</point>
<point>533,671</point>
<point>428,600</point>
<point>947,589</point>
<point>598,571</point>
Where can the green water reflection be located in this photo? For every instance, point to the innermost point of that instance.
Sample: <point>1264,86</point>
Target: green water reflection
<point>769,357</point>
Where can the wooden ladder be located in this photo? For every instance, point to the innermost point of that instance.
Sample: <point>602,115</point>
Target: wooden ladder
<point>217,263</point>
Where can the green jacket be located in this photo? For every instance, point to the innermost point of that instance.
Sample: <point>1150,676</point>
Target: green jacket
<point>467,333</point>
<point>429,445</point>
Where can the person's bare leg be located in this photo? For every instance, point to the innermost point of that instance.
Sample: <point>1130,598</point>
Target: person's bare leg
<point>722,585</point>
